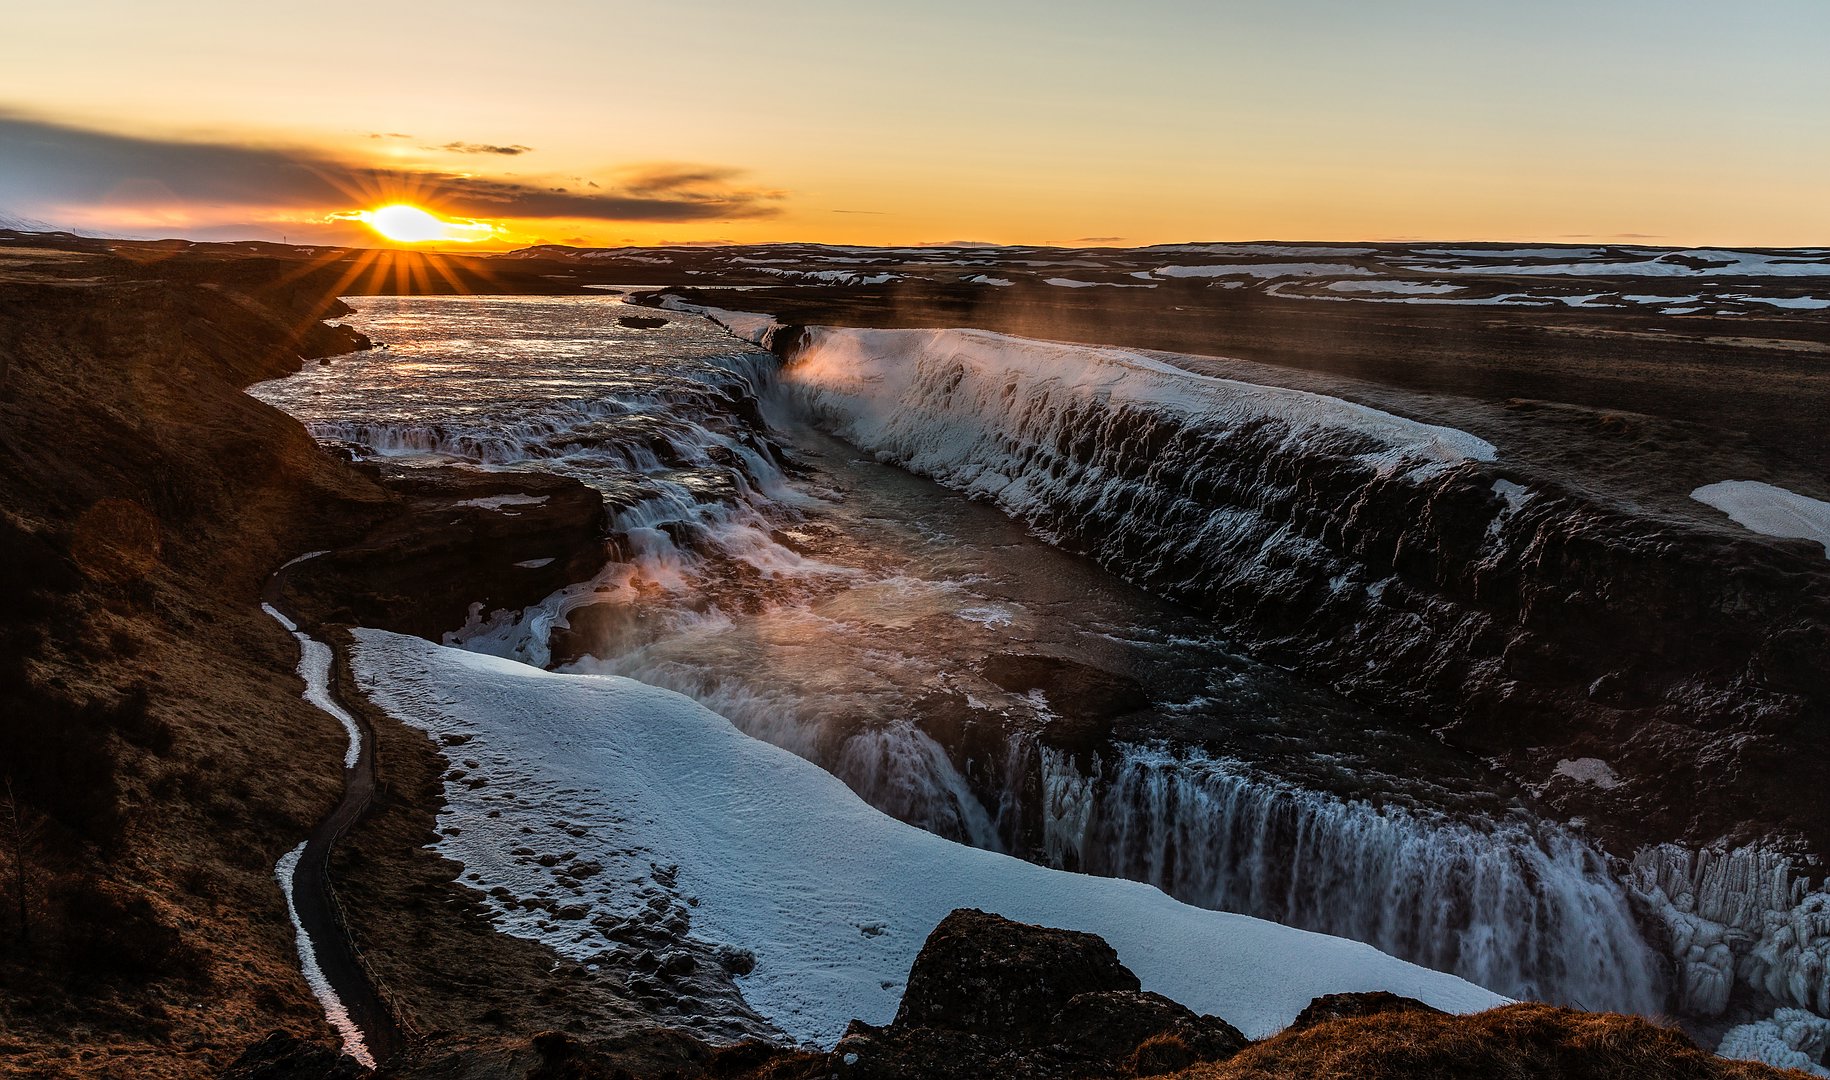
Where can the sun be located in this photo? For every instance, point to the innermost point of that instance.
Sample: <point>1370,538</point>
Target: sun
<point>405,224</point>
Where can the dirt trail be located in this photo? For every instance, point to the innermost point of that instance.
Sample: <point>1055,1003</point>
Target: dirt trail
<point>313,894</point>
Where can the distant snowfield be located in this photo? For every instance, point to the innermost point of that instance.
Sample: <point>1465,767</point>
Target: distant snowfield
<point>770,853</point>
<point>1395,286</point>
<point>1666,264</point>
<point>1264,271</point>
<point>1769,510</point>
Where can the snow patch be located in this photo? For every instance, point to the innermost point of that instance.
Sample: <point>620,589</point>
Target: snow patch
<point>1769,510</point>
<point>1071,283</point>
<point>785,860</point>
<point>1588,770</point>
<point>314,668</point>
<point>334,1011</point>
<point>1422,288</point>
<point>1265,271</point>
<point>503,502</point>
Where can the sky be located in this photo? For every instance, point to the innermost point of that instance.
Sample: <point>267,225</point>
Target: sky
<point>927,121</point>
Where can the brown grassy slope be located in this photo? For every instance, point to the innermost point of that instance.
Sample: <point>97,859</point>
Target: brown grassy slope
<point>1515,1042</point>
<point>153,733</point>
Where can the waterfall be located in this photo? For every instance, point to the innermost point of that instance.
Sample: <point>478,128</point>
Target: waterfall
<point>1528,910</point>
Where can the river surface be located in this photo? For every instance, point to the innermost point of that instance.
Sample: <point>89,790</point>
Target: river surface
<point>954,670</point>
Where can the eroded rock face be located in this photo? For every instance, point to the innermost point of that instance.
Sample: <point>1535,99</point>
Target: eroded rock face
<point>458,537</point>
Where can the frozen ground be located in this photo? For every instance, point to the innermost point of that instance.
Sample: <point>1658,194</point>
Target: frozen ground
<point>1769,510</point>
<point>587,798</point>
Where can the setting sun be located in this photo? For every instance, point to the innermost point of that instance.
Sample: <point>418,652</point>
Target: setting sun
<point>407,224</point>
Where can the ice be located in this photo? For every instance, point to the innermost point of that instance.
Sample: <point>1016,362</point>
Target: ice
<point>1797,303</point>
<point>1266,249</point>
<point>1588,770</point>
<point>1265,271</point>
<point>297,559</point>
<point>504,502</point>
<point>1769,510</point>
<point>1744,917</point>
<point>1071,283</point>
<point>752,326</point>
<point>314,668</point>
<point>334,1011</point>
<point>1394,287</point>
<point>1666,264</point>
<point>779,857</point>
<point>829,277</point>
<point>1515,253</point>
<point>1790,1039</point>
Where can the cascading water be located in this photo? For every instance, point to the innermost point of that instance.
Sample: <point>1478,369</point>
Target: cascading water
<point>1525,908</point>
<point>847,615</point>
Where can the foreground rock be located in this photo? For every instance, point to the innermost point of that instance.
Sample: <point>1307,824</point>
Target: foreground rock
<point>991,997</point>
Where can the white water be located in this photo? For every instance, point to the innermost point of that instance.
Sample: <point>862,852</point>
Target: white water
<point>1528,909</point>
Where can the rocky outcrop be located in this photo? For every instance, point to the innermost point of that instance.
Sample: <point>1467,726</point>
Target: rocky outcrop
<point>991,997</point>
<point>457,539</point>
<point>281,1056</point>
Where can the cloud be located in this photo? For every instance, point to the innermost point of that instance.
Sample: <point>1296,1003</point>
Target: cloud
<point>1098,239</point>
<point>45,165</point>
<point>483,148</point>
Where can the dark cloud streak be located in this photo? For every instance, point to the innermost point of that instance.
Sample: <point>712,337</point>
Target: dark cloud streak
<point>47,164</point>
<point>483,148</point>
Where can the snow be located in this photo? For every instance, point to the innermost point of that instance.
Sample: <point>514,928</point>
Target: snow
<point>1265,271</point>
<point>1734,264</point>
<point>534,564</point>
<point>503,502</point>
<point>970,408</point>
<point>1267,249</point>
<point>1769,510</point>
<point>314,668</point>
<point>829,277</point>
<point>1790,1039</point>
<point>987,279</point>
<point>1799,303</point>
<point>1588,770</point>
<point>1070,283</point>
<point>1394,287</point>
<point>334,1010</point>
<point>752,326</point>
<point>771,853</point>
<point>1515,253</point>
<point>296,560</point>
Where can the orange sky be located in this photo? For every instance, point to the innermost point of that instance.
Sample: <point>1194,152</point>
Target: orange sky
<point>607,123</point>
